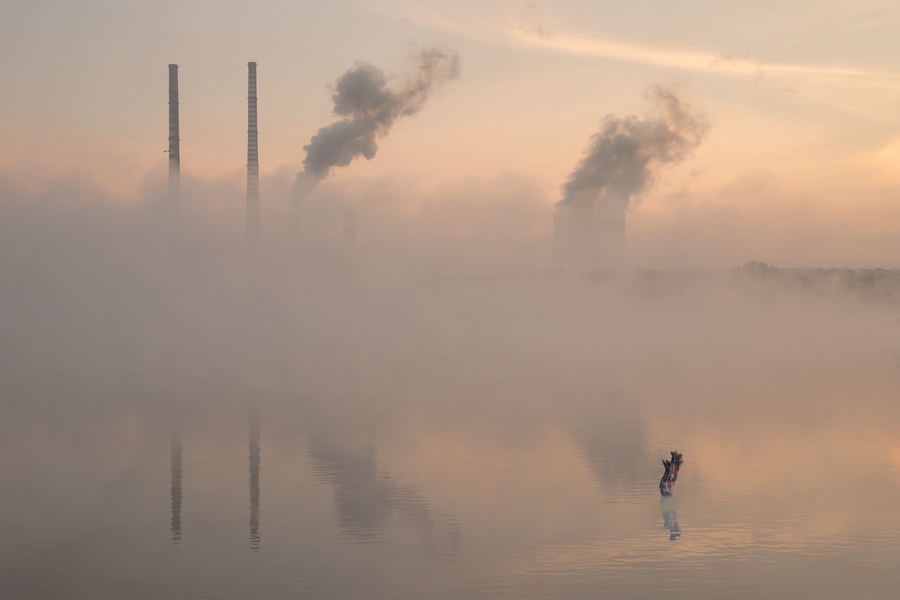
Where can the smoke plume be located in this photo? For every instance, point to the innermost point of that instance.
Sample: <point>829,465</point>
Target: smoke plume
<point>370,107</point>
<point>623,156</point>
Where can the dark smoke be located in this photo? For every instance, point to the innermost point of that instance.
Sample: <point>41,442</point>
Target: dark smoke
<point>370,108</point>
<point>622,157</point>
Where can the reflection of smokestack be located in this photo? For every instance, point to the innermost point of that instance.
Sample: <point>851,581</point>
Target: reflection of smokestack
<point>252,158</point>
<point>176,488</point>
<point>350,227</point>
<point>174,143</point>
<point>253,427</point>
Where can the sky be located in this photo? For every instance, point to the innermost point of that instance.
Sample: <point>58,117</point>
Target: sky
<point>800,166</point>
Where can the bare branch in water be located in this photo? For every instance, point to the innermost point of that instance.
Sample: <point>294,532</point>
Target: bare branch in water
<point>668,479</point>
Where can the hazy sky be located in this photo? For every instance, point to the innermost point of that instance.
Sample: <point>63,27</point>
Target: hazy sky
<point>803,98</point>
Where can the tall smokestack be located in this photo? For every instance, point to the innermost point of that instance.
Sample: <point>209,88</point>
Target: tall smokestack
<point>174,144</point>
<point>252,158</point>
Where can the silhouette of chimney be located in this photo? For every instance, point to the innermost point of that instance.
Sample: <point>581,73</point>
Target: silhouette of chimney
<point>174,144</point>
<point>252,159</point>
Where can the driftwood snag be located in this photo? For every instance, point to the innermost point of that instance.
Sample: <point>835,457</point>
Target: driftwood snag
<point>668,479</point>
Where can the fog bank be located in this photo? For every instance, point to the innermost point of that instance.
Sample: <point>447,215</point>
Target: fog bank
<point>451,283</point>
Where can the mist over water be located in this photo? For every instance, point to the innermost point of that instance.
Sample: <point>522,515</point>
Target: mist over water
<point>433,411</point>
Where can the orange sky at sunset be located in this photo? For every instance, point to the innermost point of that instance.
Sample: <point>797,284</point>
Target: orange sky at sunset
<point>802,100</point>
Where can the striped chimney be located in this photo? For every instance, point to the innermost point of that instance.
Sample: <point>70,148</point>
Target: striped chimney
<point>174,143</point>
<point>252,159</point>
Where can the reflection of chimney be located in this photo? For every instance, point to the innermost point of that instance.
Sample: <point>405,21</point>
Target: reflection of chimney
<point>176,487</point>
<point>174,144</point>
<point>350,227</point>
<point>253,426</point>
<point>252,158</point>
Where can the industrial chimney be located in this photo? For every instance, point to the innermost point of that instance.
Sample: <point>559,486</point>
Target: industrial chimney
<point>252,159</point>
<point>174,145</point>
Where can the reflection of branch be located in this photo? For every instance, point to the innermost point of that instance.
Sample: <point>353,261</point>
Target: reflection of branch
<point>670,520</point>
<point>668,479</point>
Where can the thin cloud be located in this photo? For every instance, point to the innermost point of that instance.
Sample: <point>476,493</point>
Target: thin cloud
<point>692,60</point>
<point>534,34</point>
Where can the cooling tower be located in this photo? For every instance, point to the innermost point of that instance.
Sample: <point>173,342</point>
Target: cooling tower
<point>589,229</point>
<point>574,239</point>
<point>298,191</point>
<point>252,158</point>
<point>610,244</point>
<point>174,144</point>
<point>350,227</point>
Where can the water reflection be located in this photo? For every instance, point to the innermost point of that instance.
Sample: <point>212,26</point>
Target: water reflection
<point>670,520</point>
<point>253,426</point>
<point>366,498</point>
<point>612,437</point>
<point>176,487</point>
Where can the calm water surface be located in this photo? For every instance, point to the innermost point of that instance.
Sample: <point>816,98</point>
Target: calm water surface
<point>461,449</point>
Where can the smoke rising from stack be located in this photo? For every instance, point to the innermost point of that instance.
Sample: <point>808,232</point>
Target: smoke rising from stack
<point>618,165</point>
<point>622,158</point>
<point>369,107</point>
